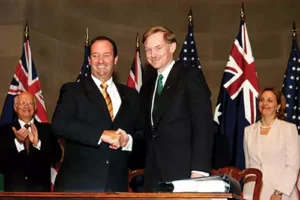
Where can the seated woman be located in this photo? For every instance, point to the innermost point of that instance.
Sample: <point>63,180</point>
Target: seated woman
<point>271,145</point>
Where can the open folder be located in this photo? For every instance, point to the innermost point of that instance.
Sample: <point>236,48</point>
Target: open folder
<point>217,183</point>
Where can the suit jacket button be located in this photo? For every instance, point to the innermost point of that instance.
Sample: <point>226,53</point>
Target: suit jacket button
<point>26,177</point>
<point>154,136</point>
<point>152,154</point>
<point>107,161</point>
<point>152,128</point>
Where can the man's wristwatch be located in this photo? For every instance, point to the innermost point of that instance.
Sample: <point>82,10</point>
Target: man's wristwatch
<point>278,193</point>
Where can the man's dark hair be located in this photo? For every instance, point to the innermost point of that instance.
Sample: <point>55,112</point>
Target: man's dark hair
<point>100,38</point>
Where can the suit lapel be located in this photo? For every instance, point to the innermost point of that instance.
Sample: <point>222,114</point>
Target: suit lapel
<point>257,141</point>
<point>95,96</point>
<point>147,95</point>
<point>124,103</point>
<point>16,123</point>
<point>163,101</point>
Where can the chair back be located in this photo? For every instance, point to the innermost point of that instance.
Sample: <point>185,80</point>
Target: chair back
<point>132,175</point>
<point>246,175</point>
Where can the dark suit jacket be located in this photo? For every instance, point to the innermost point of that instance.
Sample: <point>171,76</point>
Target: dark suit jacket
<point>25,172</point>
<point>181,138</point>
<point>80,118</point>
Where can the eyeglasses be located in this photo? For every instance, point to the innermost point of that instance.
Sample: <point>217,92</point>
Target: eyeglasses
<point>24,103</point>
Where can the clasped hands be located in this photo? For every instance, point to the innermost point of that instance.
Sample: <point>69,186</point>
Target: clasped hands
<point>116,138</point>
<point>24,134</point>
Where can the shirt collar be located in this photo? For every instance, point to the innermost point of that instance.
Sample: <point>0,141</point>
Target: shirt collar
<point>166,72</point>
<point>22,123</point>
<point>98,82</point>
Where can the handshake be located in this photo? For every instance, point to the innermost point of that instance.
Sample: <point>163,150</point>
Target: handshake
<point>116,139</point>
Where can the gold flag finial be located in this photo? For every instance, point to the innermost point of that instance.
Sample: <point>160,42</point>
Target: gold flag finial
<point>26,30</point>
<point>86,37</point>
<point>191,17</point>
<point>294,30</point>
<point>243,17</point>
<point>137,45</point>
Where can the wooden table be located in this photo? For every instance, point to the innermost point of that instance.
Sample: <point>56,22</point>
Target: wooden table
<point>111,196</point>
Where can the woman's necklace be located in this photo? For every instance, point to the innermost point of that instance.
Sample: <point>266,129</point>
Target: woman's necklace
<point>265,126</point>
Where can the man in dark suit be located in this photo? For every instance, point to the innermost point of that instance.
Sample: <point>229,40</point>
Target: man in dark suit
<point>178,108</point>
<point>27,149</point>
<point>98,125</point>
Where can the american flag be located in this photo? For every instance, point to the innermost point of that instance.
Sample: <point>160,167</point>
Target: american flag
<point>135,79</point>
<point>85,69</point>
<point>291,83</point>
<point>188,55</point>
<point>237,102</point>
<point>24,79</point>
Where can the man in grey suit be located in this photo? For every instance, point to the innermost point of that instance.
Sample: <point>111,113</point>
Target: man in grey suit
<point>98,118</point>
<point>178,108</point>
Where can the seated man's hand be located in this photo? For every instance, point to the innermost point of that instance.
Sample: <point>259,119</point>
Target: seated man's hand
<point>21,134</point>
<point>33,135</point>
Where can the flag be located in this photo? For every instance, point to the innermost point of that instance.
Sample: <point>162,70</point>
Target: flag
<point>290,87</point>
<point>85,69</point>
<point>136,72</point>
<point>25,79</point>
<point>237,102</point>
<point>291,83</point>
<point>188,55</point>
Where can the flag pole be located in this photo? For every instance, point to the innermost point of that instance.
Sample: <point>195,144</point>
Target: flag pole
<point>294,30</point>
<point>243,16</point>
<point>86,37</point>
<point>191,17</point>
<point>137,41</point>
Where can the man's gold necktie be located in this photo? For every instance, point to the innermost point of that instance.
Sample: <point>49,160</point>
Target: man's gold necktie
<point>107,100</point>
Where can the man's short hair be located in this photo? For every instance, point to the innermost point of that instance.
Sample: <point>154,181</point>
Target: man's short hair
<point>102,38</point>
<point>169,36</point>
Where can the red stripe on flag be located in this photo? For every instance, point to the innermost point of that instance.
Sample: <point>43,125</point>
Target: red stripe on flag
<point>130,82</point>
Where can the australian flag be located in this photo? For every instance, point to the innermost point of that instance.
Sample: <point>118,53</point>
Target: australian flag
<point>135,80</point>
<point>188,55</point>
<point>237,102</point>
<point>25,79</point>
<point>85,69</point>
<point>291,83</point>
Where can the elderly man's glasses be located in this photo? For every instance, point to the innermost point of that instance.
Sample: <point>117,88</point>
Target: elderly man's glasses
<point>24,103</point>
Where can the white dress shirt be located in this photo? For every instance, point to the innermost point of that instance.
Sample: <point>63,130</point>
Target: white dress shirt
<point>116,103</point>
<point>165,74</point>
<point>20,146</point>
